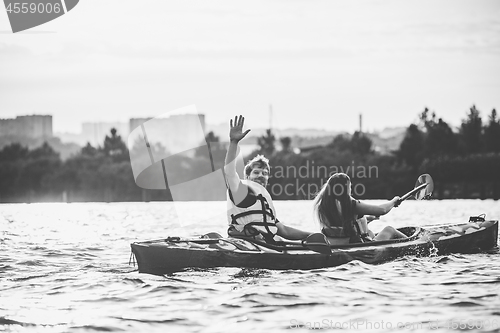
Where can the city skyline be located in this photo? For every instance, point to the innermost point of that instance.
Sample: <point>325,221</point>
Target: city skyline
<point>80,128</point>
<point>318,64</point>
<point>124,128</point>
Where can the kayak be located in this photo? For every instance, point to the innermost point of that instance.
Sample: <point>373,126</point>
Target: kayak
<point>174,254</point>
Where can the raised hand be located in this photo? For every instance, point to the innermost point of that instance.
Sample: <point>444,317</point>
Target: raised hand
<point>236,129</point>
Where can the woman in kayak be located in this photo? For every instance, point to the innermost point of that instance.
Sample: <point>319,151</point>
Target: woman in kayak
<point>342,218</point>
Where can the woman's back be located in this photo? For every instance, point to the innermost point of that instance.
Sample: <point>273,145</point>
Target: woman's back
<point>336,209</point>
<point>337,213</point>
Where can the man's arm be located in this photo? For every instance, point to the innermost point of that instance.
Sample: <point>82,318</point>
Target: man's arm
<point>232,178</point>
<point>235,135</point>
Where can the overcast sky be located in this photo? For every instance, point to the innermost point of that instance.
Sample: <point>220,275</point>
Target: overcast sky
<point>319,63</point>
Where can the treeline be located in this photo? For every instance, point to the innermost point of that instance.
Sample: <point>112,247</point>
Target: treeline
<point>94,174</point>
<point>464,163</point>
<point>64,149</point>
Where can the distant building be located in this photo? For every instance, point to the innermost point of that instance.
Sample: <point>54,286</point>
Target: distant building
<point>35,126</point>
<point>176,133</point>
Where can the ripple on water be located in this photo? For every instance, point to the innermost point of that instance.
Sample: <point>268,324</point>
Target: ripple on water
<point>465,304</point>
<point>6,322</point>
<point>27,277</point>
<point>152,321</point>
<point>97,328</point>
<point>251,273</point>
<point>73,271</point>
<point>34,262</point>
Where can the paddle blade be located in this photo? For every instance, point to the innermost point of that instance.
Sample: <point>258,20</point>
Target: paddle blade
<point>317,243</point>
<point>425,192</point>
<point>423,189</point>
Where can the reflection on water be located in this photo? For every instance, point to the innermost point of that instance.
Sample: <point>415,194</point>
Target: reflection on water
<point>64,267</point>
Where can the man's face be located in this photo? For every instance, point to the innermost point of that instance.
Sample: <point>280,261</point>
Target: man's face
<point>259,175</point>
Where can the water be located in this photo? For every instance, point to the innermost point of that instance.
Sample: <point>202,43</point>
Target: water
<point>64,268</point>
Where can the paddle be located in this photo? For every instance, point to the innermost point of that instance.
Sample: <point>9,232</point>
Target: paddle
<point>209,238</point>
<point>423,189</point>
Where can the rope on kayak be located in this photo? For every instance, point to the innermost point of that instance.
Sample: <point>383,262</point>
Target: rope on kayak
<point>131,259</point>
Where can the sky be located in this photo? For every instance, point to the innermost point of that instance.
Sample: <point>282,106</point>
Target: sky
<point>318,63</point>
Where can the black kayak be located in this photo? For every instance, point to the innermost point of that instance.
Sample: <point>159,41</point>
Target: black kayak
<point>173,254</point>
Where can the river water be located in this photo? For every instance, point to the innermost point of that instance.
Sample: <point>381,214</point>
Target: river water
<point>65,268</point>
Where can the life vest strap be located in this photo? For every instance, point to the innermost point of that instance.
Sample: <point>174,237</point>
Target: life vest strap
<point>364,237</point>
<point>249,212</point>
<point>268,235</point>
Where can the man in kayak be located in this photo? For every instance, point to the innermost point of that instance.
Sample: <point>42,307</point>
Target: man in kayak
<point>342,218</point>
<point>250,209</point>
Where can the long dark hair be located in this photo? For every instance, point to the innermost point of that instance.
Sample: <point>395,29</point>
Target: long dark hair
<point>333,204</point>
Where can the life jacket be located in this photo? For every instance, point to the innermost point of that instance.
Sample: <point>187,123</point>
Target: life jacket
<point>254,215</point>
<point>355,234</point>
<point>337,233</point>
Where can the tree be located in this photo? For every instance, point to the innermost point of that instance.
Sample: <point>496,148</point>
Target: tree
<point>286,144</point>
<point>360,144</point>
<point>44,151</point>
<point>211,137</point>
<point>115,147</point>
<point>425,122</point>
<point>471,132</point>
<point>340,143</point>
<point>217,150</point>
<point>411,149</point>
<point>267,143</point>
<point>13,152</point>
<point>492,133</point>
<point>440,139</point>
<point>11,162</point>
<point>41,162</point>
<point>88,150</point>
